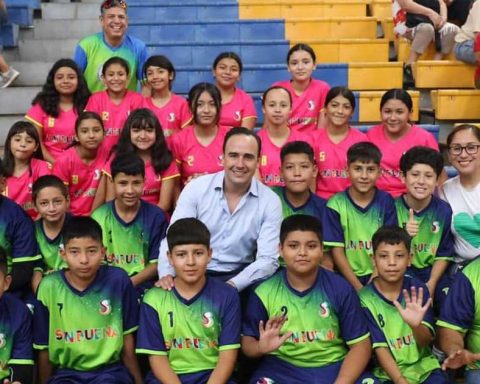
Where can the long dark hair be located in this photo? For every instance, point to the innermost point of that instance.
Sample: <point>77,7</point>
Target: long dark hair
<point>8,159</point>
<point>159,152</point>
<point>49,98</point>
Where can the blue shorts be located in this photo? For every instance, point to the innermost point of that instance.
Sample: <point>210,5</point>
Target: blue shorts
<point>187,378</point>
<point>273,370</point>
<point>109,374</point>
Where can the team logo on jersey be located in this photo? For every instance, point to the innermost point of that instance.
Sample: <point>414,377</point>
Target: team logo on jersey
<point>324,310</point>
<point>51,122</point>
<point>311,105</point>
<point>105,115</point>
<point>265,380</point>
<point>190,160</point>
<point>238,116</point>
<point>3,340</point>
<point>220,160</point>
<point>435,227</point>
<point>263,160</point>
<point>74,179</point>
<point>105,307</point>
<point>171,117</point>
<point>96,174</point>
<point>207,319</point>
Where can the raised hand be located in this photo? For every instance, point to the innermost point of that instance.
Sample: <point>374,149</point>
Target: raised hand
<point>412,224</point>
<point>270,339</point>
<point>459,359</point>
<point>414,311</point>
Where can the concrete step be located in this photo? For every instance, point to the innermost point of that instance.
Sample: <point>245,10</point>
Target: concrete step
<point>6,121</point>
<point>32,73</point>
<point>67,28</point>
<point>54,11</point>
<point>45,49</point>
<point>16,100</point>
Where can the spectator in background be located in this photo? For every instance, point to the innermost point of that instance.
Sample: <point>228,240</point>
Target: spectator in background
<point>92,51</point>
<point>7,73</point>
<point>465,38</point>
<point>423,22</point>
<point>458,10</point>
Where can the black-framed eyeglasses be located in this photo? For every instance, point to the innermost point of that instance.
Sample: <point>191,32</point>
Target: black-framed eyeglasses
<point>456,150</point>
<point>107,4</point>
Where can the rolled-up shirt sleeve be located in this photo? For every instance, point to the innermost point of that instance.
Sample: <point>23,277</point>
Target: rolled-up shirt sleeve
<point>266,261</point>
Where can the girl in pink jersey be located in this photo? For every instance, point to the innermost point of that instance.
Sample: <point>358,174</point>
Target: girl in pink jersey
<point>171,110</point>
<point>238,108</point>
<point>116,102</point>
<point>80,166</point>
<point>277,104</point>
<point>23,163</point>
<point>56,107</point>
<point>198,149</point>
<point>143,135</point>
<point>307,93</point>
<point>396,135</point>
<point>332,143</point>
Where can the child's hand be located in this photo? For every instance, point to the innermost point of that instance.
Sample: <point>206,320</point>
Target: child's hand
<point>413,312</point>
<point>459,359</point>
<point>412,224</point>
<point>270,339</point>
<point>166,282</point>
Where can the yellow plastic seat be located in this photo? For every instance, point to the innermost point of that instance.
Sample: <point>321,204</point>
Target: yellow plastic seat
<point>443,74</point>
<point>404,51</point>
<point>381,8</point>
<point>345,27</point>
<point>456,104</point>
<point>255,9</point>
<point>347,50</point>
<point>375,76</point>
<point>369,105</point>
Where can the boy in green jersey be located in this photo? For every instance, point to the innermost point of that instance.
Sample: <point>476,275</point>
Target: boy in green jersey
<point>86,315</point>
<point>191,332</point>
<point>50,196</point>
<point>16,354</point>
<point>132,228</point>
<point>398,308</point>
<point>305,322</point>
<point>426,217</point>
<point>299,171</point>
<point>353,216</point>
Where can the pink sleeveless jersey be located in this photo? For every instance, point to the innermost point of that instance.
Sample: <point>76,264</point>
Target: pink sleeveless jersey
<point>307,106</point>
<point>19,189</point>
<point>113,116</point>
<point>270,162</point>
<point>194,158</point>
<point>82,179</point>
<point>331,159</point>
<point>173,116</point>
<point>240,107</point>
<point>57,132</point>
<point>392,151</point>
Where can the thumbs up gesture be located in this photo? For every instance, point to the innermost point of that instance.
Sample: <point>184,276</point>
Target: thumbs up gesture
<point>412,224</point>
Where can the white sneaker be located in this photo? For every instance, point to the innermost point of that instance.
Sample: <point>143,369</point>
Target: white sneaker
<point>8,77</point>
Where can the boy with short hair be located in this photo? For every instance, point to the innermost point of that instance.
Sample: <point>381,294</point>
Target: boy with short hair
<point>192,332</point>
<point>353,216</point>
<point>400,316</point>
<point>50,196</point>
<point>86,314</point>
<point>426,217</point>
<point>17,236</point>
<point>132,228</point>
<point>305,321</point>
<point>16,354</point>
<point>298,170</point>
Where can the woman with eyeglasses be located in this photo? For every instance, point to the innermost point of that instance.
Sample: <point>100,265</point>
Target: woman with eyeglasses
<point>462,192</point>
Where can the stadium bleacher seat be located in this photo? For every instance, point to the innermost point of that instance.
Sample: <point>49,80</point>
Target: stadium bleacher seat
<point>443,74</point>
<point>374,76</point>
<point>456,104</point>
<point>208,11</point>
